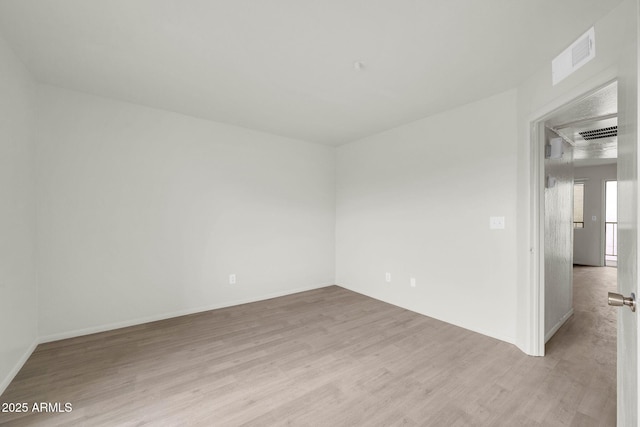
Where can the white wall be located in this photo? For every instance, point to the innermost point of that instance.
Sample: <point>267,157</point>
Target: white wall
<point>415,201</point>
<point>18,310</point>
<point>588,242</point>
<point>615,35</point>
<point>144,214</point>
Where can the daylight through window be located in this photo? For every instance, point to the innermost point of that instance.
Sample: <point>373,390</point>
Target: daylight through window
<point>578,205</point>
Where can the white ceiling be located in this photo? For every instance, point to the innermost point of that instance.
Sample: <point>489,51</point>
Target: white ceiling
<point>287,66</point>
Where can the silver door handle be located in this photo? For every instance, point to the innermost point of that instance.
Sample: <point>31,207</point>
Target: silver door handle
<point>620,300</point>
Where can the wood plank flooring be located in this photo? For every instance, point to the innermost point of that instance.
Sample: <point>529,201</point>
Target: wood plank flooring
<point>328,357</point>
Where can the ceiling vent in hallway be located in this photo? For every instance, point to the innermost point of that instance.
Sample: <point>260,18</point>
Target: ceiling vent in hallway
<point>600,133</point>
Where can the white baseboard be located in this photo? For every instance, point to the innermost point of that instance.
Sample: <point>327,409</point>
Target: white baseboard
<point>19,364</point>
<point>164,316</point>
<point>557,326</point>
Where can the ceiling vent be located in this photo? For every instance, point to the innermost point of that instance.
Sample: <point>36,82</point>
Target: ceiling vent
<point>600,133</point>
<point>575,56</point>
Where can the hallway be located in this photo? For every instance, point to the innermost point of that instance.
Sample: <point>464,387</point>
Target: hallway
<point>584,350</point>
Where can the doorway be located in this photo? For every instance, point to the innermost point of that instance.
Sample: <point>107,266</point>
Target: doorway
<point>579,156</point>
<point>625,74</point>
<point>580,135</point>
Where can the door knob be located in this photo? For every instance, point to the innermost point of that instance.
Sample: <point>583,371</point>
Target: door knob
<point>620,300</point>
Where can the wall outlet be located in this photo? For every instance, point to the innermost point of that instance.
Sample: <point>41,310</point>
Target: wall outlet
<point>496,222</point>
<point>412,282</point>
<point>232,279</point>
<point>387,277</point>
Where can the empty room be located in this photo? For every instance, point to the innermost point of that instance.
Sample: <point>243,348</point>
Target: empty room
<point>339,213</point>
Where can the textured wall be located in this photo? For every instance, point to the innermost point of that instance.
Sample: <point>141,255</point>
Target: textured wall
<point>558,240</point>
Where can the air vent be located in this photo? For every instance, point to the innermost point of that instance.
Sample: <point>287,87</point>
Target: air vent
<point>575,56</point>
<point>600,133</point>
<point>580,51</point>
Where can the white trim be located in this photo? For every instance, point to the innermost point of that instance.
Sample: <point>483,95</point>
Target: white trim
<point>19,364</point>
<point>184,312</point>
<point>537,233</point>
<point>601,80</point>
<point>557,326</point>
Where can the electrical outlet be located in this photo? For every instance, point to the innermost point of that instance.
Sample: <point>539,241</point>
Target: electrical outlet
<point>387,277</point>
<point>412,282</point>
<point>232,279</point>
<point>496,222</point>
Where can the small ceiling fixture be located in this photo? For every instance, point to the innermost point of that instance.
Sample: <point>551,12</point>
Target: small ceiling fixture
<point>554,149</point>
<point>358,66</point>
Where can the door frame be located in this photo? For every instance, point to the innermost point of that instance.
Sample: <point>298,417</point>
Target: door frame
<point>535,341</point>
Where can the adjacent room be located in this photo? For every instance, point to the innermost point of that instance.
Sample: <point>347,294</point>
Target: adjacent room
<point>316,213</point>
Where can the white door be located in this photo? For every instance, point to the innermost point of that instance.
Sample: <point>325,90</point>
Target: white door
<point>628,236</point>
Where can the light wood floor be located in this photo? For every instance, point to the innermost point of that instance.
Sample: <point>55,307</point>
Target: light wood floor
<point>327,357</point>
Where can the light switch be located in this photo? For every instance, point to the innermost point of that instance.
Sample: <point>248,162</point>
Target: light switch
<point>496,222</point>
<point>593,218</point>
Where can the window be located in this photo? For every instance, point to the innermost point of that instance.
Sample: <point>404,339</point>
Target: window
<point>578,205</point>
<point>611,224</point>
